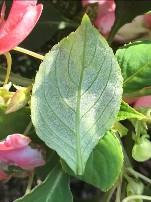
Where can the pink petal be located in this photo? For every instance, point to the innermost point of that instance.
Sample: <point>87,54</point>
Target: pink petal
<point>147,20</point>
<point>105,16</point>
<point>2,14</point>
<point>105,23</point>
<point>21,20</point>
<point>26,158</point>
<point>15,150</point>
<point>87,2</point>
<point>14,141</point>
<point>144,101</point>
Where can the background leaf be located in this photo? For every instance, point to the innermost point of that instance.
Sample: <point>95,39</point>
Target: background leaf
<point>135,62</point>
<point>104,164</point>
<point>55,188</point>
<point>15,122</point>
<point>76,95</point>
<point>127,112</point>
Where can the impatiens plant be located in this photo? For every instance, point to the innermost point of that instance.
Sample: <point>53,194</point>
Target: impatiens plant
<point>85,117</point>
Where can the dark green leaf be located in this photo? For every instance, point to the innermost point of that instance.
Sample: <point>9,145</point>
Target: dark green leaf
<point>104,164</point>
<point>76,95</point>
<point>127,112</point>
<point>15,122</point>
<point>55,188</point>
<point>135,62</point>
<point>15,78</point>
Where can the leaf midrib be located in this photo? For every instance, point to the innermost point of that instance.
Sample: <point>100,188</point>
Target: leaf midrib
<point>80,166</point>
<point>129,79</point>
<point>58,178</point>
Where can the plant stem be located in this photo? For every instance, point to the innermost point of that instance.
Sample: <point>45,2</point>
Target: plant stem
<point>113,31</point>
<point>138,175</point>
<point>118,192</point>
<point>28,128</point>
<point>9,65</point>
<point>30,181</point>
<point>108,195</point>
<point>28,52</point>
<point>133,197</point>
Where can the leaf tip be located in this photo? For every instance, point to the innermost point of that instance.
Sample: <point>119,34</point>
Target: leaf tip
<point>86,19</point>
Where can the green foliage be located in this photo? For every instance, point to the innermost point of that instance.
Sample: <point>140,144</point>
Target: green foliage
<point>135,62</point>
<point>55,188</point>
<point>104,164</point>
<point>127,112</point>
<point>76,95</point>
<point>15,122</point>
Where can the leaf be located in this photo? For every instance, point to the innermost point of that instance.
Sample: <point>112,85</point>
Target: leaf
<point>76,95</point>
<point>15,122</point>
<point>55,188</point>
<point>105,163</point>
<point>127,112</point>
<point>135,62</point>
<point>126,11</point>
<point>15,78</point>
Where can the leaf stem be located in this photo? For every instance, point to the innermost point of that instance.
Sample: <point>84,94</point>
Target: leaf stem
<point>138,175</point>
<point>108,195</point>
<point>28,128</point>
<point>113,32</point>
<point>28,52</point>
<point>133,197</point>
<point>9,65</point>
<point>30,181</point>
<point>118,192</point>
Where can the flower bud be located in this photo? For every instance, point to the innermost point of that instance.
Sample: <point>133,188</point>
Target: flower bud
<point>142,150</point>
<point>135,188</point>
<point>18,100</point>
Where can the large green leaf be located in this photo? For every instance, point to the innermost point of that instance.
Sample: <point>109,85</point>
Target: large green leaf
<point>127,112</point>
<point>76,95</point>
<point>135,62</point>
<point>104,164</point>
<point>55,188</point>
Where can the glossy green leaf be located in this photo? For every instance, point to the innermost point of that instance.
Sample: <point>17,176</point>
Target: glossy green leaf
<point>105,163</point>
<point>135,62</point>
<point>126,11</point>
<point>127,112</point>
<point>55,188</point>
<point>15,122</point>
<point>76,95</point>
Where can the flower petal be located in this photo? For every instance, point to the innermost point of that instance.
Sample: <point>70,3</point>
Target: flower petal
<point>14,141</point>
<point>144,101</point>
<point>21,20</point>
<point>27,158</point>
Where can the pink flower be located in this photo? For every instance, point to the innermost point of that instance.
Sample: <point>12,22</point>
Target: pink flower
<point>22,18</point>
<point>138,102</point>
<point>139,28</point>
<point>15,150</point>
<point>147,20</point>
<point>144,101</point>
<point>105,15</point>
